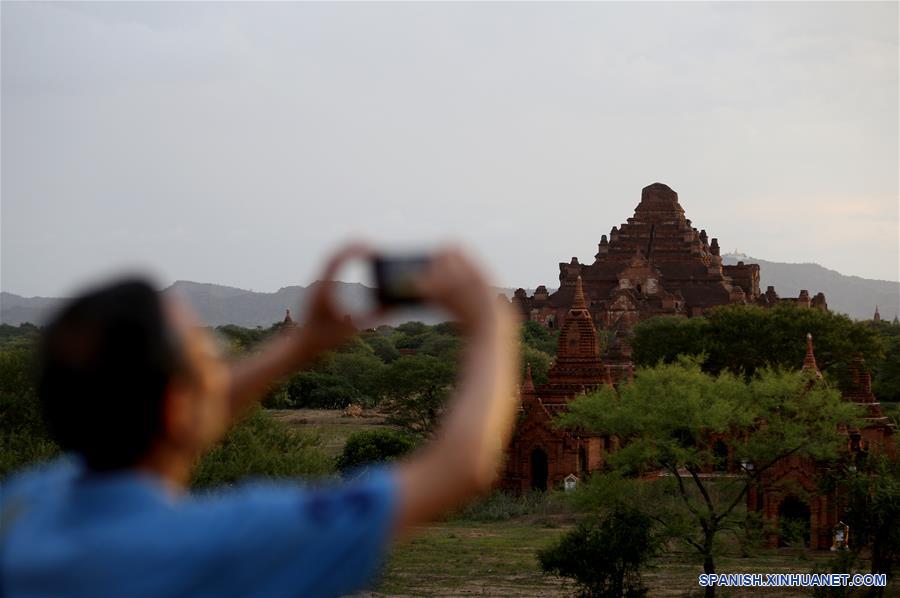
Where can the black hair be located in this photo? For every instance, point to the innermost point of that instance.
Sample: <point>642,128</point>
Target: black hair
<point>104,363</point>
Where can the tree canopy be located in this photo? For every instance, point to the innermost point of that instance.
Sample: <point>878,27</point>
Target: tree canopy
<point>667,420</point>
<point>745,338</point>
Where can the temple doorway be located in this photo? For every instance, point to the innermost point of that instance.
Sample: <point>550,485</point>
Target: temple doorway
<point>793,522</point>
<point>539,469</point>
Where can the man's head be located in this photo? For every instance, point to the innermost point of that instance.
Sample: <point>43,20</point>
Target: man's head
<point>125,374</point>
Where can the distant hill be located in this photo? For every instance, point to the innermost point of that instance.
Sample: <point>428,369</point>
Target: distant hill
<point>15,310</point>
<point>851,295</point>
<point>218,304</point>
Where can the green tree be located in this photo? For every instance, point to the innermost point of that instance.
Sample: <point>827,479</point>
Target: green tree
<point>416,388</point>
<point>316,389</point>
<point>260,446</point>
<point>373,446</point>
<point>872,490</point>
<point>413,328</point>
<point>538,337</point>
<point>356,346</point>
<point>448,328</point>
<point>886,369</point>
<point>664,338</point>
<point>605,556</point>
<point>745,338</point>
<point>239,339</point>
<point>22,336</point>
<point>539,361</point>
<point>23,436</point>
<point>410,335</point>
<point>442,346</point>
<point>361,371</point>
<point>666,418</point>
<point>381,345</point>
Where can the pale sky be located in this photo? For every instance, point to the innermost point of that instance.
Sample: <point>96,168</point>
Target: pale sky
<point>236,143</point>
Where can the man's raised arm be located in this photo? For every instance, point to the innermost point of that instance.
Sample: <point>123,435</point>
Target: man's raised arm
<point>467,451</point>
<point>323,328</point>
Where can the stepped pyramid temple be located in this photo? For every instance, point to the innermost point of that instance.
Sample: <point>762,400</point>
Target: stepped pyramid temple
<point>656,263</point>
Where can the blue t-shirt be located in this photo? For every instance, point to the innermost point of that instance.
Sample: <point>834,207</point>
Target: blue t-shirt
<point>65,531</point>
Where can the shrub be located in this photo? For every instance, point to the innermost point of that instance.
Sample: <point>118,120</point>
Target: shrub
<point>239,339</point>
<point>794,531</point>
<point>381,346</point>
<point>540,364</point>
<point>536,336</point>
<point>448,328</point>
<point>372,446</point>
<point>22,336</point>
<point>846,563</point>
<point>361,371</point>
<point>320,390</point>
<point>23,437</point>
<point>416,387</point>
<point>412,328</point>
<point>604,557</point>
<point>260,446</point>
<point>443,346</point>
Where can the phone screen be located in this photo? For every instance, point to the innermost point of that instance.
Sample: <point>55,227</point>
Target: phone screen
<point>396,278</point>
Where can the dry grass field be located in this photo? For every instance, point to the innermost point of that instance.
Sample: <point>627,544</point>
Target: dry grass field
<point>331,424</point>
<point>460,558</point>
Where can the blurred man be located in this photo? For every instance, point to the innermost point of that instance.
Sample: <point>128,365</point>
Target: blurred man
<point>135,390</point>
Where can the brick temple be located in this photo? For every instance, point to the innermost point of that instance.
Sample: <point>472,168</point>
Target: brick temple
<point>655,263</point>
<point>541,456</point>
<point>791,488</point>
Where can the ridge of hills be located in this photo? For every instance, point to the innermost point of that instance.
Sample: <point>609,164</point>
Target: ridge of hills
<point>219,304</point>
<point>851,295</point>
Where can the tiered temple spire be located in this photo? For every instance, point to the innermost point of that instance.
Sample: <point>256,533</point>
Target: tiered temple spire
<point>809,362</point>
<point>528,386</point>
<point>578,301</point>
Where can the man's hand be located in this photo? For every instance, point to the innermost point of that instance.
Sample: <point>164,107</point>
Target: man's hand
<point>468,448</point>
<point>324,327</point>
<point>454,282</point>
<point>464,458</point>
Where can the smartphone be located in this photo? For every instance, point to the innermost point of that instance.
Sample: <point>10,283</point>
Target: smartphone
<point>396,278</point>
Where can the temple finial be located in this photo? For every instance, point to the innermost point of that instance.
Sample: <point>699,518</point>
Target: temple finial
<point>578,301</point>
<point>528,386</point>
<point>809,362</point>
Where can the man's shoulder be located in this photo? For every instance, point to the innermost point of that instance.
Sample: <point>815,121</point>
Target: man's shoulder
<point>40,478</point>
<point>372,494</point>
